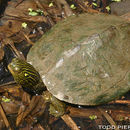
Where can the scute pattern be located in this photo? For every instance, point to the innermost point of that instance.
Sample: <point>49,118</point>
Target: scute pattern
<point>85,59</point>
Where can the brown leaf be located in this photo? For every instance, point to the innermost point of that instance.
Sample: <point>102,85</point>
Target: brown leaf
<point>10,107</point>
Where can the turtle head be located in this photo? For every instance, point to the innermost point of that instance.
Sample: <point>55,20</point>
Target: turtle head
<point>21,70</point>
<point>26,75</point>
<point>15,67</point>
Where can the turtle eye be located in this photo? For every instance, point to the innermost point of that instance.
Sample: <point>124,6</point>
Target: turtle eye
<point>16,69</point>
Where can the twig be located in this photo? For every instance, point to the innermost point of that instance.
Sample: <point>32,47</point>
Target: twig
<point>126,16</point>
<point>4,118</point>
<point>39,126</point>
<point>10,43</point>
<point>20,115</point>
<point>67,9</point>
<point>20,55</point>
<point>82,112</point>
<point>110,120</point>
<point>68,120</point>
<point>120,102</point>
<point>8,85</point>
<point>35,19</point>
<point>28,110</point>
<point>27,38</point>
<point>18,3</point>
<point>22,109</point>
<point>85,8</point>
<point>82,6</point>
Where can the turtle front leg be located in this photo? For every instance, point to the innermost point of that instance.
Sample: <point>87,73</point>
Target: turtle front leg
<point>57,107</point>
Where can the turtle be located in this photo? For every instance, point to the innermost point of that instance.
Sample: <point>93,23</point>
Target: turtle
<point>82,60</point>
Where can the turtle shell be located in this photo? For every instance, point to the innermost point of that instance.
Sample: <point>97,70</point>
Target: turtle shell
<point>85,59</point>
